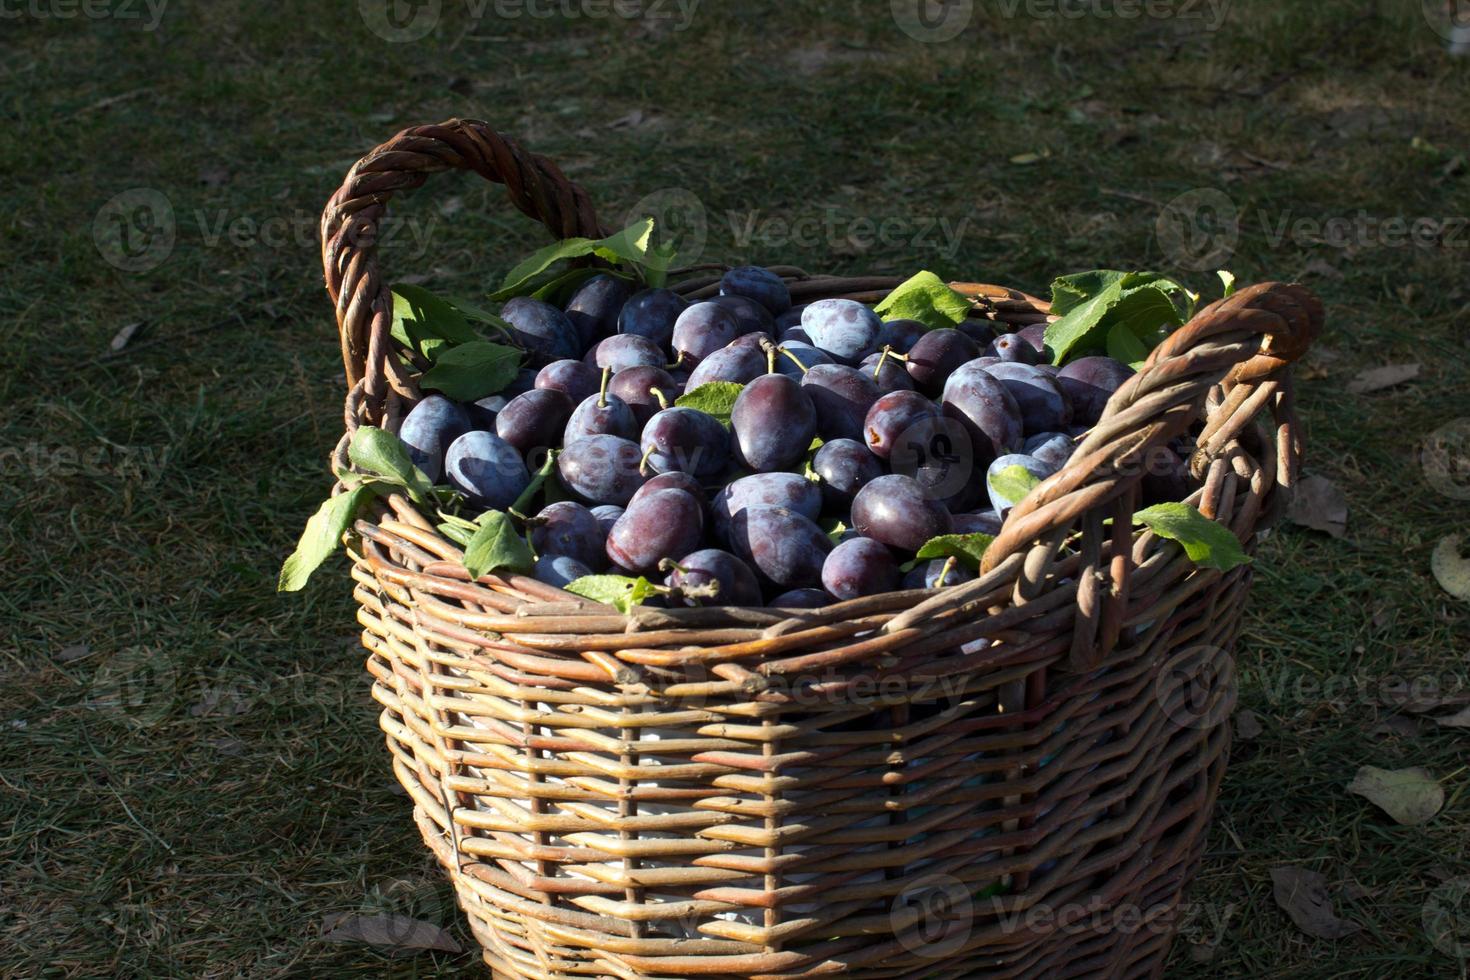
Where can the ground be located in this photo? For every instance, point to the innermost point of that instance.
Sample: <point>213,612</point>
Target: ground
<point>193,774</point>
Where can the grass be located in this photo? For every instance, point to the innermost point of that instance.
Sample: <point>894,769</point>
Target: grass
<point>240,792</point>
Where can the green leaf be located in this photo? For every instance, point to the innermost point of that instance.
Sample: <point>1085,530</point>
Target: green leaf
<point>560,289</point>
<point>629,246</point>
<point>1206,542</point>
<point>1013,482</point>
<point>322,536</point>
<point>613,590</point>
<point>1146,310</point>
<point>424,322</point>
<point>496,546</point>
<point>926,298</point>
<point>834,529</point>
<point>380,454</point>
<point>1228,278</point>
<point>472,371</point>
<point>715,398</point>
<point>1124,345</point>
<point>968,549</point>
<point>459,535</point>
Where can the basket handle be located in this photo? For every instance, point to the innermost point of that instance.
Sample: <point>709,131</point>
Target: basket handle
<point>1227,363</point>
<point>352,216</point>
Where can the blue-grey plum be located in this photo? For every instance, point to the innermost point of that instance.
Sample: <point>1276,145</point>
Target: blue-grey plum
<point>561,570</point>
<point>651,313</point>
<point>789,490</point>
<point>686,440</point>
<point>673,480</point>
<point>710,569</point>
<point>843,467</point>
<point>773,422</point>
<point>803,599</point>
<point>542,329</point>
<point>534,419</point>
<point>636,385</point>
<point>660,525</point>
<point>701,330</point>
<point>786,548</point>
<point>428,431</point>
<point>486,469</point>
<point>1052,448</point>
<point>888,373</point>
<point>844,328</point>
<point>937,573</point>
<point>858,567</point>
<point>750,316</point>
<point>594,307</point>
<point>1013,348</point>
<point>576,378</point>
<point>842,396</point>
<point>607,515</point>
<point>794,358</point>
<point>1044,407</point>
<point>1089,382</point>
<point>978,522</point>
<point>736,362</point>
<point>896,511</point>
<point>936,354</point>
<point>892,416</point>
<point>1000,500</point>
<point>987,411</point>
<point>600,415</point>
<point>625,350</point>
<point>601,469</point>
<point>759,284</point>
<point>568,528</point>
<point>901,334</point>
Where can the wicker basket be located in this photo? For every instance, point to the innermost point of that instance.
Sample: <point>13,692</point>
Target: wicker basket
<point>733,793</point>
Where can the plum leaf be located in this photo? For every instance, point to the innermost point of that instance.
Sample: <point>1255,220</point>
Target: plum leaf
<point>469,372</point>
<point>1409,796</point>
<point>1207,543</point>
<point>1012,483</point>
<point>926,298</point>
<point>381,455</point>
<point>1146,311</point>
<point>322,536</point>
<point>715,398</point>
<point>496,546</point>
<point>618,591</point>
<point>425,323</point>
<point>631,246</point>
<point>968,549</point>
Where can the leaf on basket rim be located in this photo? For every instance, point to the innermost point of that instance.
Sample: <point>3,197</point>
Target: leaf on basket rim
<point>1208,543</point>
<point>618,591</point>
<point>926,298</point>
<point>496,546</point>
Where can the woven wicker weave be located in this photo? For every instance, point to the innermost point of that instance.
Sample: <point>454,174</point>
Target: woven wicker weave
<point>746,793</point>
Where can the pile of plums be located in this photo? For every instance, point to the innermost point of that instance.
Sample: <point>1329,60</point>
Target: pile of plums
<point>910,422</point>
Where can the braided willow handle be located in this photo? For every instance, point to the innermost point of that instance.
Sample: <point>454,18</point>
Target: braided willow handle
<point>352,216</point>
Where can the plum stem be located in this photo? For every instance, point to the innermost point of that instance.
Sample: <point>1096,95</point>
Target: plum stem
<point>602,391</point>
<point>888,352</point>
<point>658,395</point>
<point>794,359</point>
<point>643,463</point>
<point>944,572</point>
<point>669,565</point>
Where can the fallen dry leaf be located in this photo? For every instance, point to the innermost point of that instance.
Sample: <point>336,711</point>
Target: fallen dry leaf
<point>1398,725</point>
<point>1410,796</point>
<point>124,336</point>
<point>75,651</point>
<point>398,931</point>
<point>1303,894</point>
<point>1318,267</point>
<point>1460,719</point>
<point>1247,725</point>
<point>1318,504</point>
<point>1450,569</point>
<point>1376,379</point>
